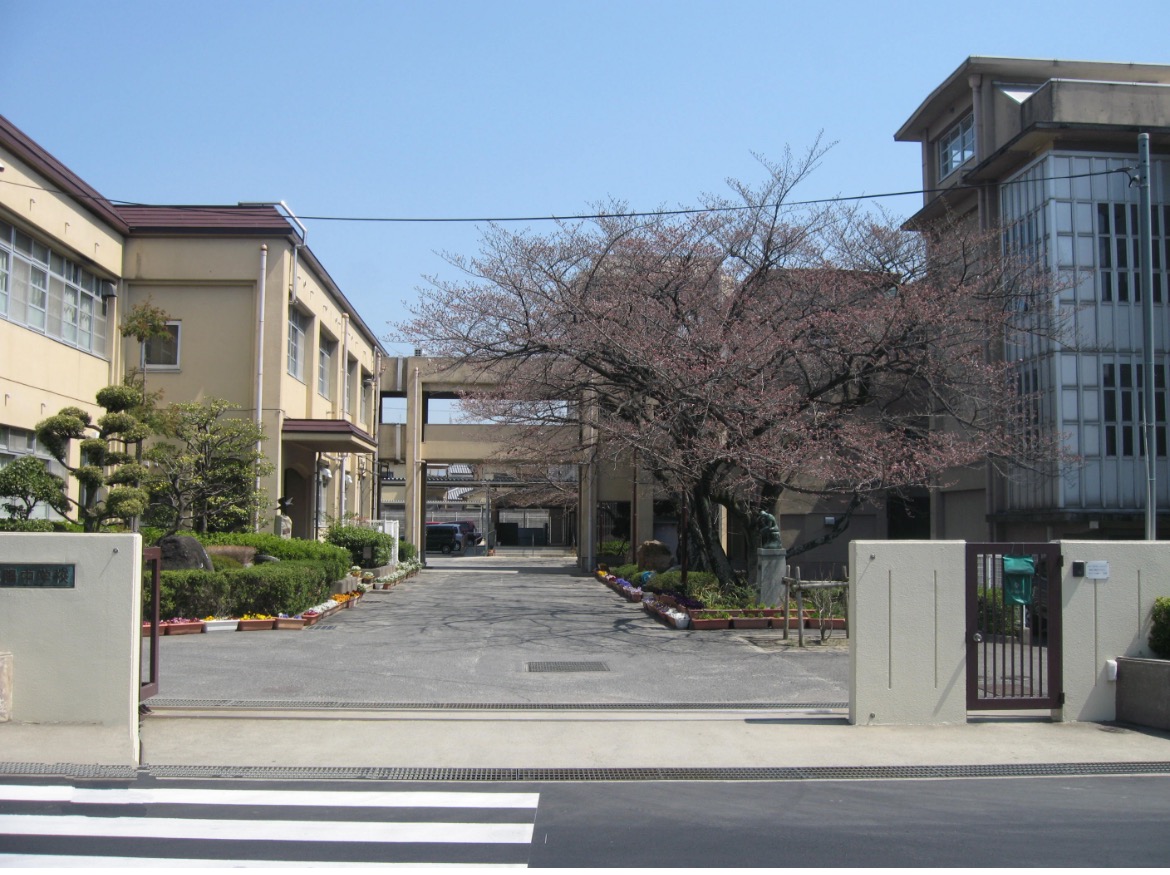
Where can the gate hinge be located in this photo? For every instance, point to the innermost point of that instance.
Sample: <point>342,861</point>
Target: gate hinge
<point>1060,699</point>
<point>1060,560</point>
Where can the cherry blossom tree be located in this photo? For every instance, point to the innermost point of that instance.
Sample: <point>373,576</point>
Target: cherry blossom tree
<point>750,348</point>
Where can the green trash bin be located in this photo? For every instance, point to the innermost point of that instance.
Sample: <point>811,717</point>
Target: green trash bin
<point>1018,572</point>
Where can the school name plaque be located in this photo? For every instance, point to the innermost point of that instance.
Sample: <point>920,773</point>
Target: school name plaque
<point>37,575</point>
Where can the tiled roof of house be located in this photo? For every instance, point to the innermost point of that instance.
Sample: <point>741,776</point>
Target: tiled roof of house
<point>205,218</point>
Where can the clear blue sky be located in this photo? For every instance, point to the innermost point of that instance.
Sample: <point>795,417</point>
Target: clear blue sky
<point>513,107</point>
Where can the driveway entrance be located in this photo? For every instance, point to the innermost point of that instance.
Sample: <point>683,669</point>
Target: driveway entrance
<point>521,630</point>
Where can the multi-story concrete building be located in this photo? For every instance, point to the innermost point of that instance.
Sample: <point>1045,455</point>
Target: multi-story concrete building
<point>256,320</point>
<point>1045,152</point>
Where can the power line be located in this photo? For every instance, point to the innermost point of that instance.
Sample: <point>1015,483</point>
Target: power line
<point>578,217</point>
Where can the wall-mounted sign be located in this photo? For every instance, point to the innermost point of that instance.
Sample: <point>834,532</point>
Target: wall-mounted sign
<point>1098,570</point>
<point>37,575</point>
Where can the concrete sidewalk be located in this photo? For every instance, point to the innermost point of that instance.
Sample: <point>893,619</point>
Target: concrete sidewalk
<point>707,739</point>
<point>438,674</point>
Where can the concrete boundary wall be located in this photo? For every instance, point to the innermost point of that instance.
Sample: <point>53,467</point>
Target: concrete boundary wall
<point>76,651</point>
<point>1107,618</point>
<point>907,615</point>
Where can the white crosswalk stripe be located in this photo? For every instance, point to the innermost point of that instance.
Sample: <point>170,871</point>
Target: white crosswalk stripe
<point>60,825</point>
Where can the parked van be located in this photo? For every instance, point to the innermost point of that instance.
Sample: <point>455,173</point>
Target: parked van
<point>444,537</point>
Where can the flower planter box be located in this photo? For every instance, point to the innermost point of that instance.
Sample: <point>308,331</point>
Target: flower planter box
<point>194,628</point>
<point>289,623</point>
<point>710,622</point>
<point>742,622</point>
<point>309,621</point>
<point>220,625</point>
<point>254,625</point>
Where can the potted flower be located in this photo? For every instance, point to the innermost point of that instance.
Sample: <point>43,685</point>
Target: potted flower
<point>183,626</point>
<point>255,622</point>
<point>284,621</point>
<point>219,624</point>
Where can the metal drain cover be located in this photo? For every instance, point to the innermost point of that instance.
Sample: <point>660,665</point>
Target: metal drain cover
<point>567,666</point>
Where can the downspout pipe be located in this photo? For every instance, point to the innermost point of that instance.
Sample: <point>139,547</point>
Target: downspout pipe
<point>342,492</point>
<point>376,427</point>
<point>261,291</point>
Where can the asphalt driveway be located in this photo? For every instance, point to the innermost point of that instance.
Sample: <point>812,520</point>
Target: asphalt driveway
<point>510,630</point>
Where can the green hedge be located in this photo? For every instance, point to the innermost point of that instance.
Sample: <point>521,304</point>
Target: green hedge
<point>359,540</point>
<point>14,525</point>
<point>335,559</point>
<point>1160,628</point>
<point>406,551</point>
<point>273,588</point>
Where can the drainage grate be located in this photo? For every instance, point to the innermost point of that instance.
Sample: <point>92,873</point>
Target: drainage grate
<point>70,770</point>
<point>158,704</point>
<point>567,666</point>
<point>807,773</point>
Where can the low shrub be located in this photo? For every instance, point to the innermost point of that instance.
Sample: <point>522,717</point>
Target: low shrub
<point>1160,628</point>
<point>368,548</point>
<point>194,593</point>
<point>626,572</point>
<point>14,525</point>
<point>406,551</point>
<point>614,548</point>
<point>701,586</point>
<point>995,616</point>
<point>335,560</point>
<point>289,587</point>
<point>224,561</point>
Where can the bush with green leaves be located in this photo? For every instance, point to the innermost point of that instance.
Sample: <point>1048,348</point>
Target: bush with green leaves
<point>335,560</point>
<point>368,548</point>
<point>28,526</point>
<point>613,547</point>
<point>1160,628</point>
<point>407,552</point>
<point>701,585</point>
<point>274,588</point>
<point>25,483</point>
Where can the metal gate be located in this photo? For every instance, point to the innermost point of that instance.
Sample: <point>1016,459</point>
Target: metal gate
<point>151,565</point>
<point>1013,626</point>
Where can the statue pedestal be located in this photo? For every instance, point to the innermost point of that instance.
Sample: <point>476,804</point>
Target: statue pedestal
<point>771,566</point>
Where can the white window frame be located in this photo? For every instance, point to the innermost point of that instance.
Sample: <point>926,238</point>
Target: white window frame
<point>956,146</point>
<point>46,292</point>
<point>365,390</point>
<point>351,370</point>
<point>326,350</point>
<point>4,270</point>
<point>298,322</point>
<point>176,336</point>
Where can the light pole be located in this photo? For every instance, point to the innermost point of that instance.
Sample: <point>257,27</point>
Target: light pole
<point>1145,244</point>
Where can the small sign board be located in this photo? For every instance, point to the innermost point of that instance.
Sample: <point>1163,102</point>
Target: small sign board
<point>37,575</point>
<point>1098,570</point>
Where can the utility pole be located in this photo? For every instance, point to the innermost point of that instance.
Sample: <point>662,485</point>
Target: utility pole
<point>1145,244</point>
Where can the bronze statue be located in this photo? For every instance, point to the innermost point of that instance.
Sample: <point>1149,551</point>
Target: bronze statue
<point>769,530</point>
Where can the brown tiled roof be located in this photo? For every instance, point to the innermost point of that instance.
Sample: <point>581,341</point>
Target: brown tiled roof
<point>31,153</point>
<point>196,219</point>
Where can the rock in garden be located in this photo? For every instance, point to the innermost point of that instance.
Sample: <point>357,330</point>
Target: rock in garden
<point>182,552</point>
<point>654,556</point>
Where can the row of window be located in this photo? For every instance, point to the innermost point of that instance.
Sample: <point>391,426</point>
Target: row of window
<point>1118,255</point>
<point>45,291</point>
<point>299,324</point>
